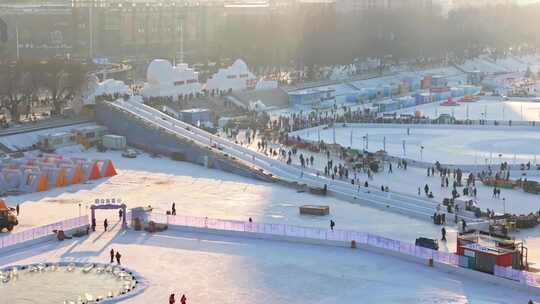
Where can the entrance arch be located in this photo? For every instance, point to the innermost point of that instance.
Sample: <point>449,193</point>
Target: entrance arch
<point>107,204</point>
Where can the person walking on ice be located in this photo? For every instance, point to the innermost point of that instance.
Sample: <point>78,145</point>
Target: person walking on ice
<point>112,255</point>
<point>332,225</point>
<point>443,233</point>
<point>105,224</point>
<point>183,299</point>
<point>118,257</point>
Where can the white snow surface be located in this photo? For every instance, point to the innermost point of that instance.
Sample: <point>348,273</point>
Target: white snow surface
<point>474,145</point>
<point>217,269</point>
<point>483,109</point>
<point>198,191</point>
<point>212,269</point>
<point>24,140</point>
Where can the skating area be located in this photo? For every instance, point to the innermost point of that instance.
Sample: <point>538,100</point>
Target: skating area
<point>218,269</point>
<point>482,110</point>
<point>448,144</point>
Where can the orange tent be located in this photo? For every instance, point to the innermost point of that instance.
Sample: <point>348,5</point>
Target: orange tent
<point>109,170</point>
<point>94,172</point>
<point>3,205</point>
<point>78,176</point>
<point>61,178</point>
<point>42,184</point>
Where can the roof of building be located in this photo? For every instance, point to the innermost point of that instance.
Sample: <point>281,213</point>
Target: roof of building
<point>269,97</point>
<point>196,110</point>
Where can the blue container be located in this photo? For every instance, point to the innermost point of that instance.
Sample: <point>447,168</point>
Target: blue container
<point>387,90</point>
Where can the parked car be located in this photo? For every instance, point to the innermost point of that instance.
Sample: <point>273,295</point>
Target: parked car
<point>4,156</point>
<point>427,243</point>
<point>129,153</point>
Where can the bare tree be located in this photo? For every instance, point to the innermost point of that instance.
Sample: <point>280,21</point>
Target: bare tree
<point>16,87</point>
<point>62,80</point>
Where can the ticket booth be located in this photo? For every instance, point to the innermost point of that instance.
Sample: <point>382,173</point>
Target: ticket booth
<point>483,252</point>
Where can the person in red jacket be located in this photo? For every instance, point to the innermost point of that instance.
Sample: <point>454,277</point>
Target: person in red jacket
<point>171,299</point>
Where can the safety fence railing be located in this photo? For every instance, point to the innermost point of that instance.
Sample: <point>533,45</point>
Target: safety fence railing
<point>16,238</point>
<point>313,233</point>
<point>525,277</point>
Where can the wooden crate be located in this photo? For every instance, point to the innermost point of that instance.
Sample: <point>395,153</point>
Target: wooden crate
<point>315,210</point>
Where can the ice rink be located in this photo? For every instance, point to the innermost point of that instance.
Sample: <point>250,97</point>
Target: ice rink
<point>483,109</point>
<point>444,143</point>
<point>216,269</point>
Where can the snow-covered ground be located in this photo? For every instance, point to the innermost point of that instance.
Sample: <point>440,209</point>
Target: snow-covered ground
<point>198,191</point>
<point>446,144</point>
<point>235,270</point>
<point>217,269</point>
<point>24,140</point>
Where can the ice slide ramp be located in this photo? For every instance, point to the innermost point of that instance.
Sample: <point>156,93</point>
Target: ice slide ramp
<point>397,202</point>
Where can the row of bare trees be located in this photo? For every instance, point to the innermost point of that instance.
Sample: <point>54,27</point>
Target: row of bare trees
<point>28,83</point>
<point>319,35</point>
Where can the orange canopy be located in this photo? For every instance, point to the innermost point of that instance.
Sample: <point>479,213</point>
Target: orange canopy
<point>3,205</point>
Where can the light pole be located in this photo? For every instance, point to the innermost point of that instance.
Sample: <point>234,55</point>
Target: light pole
<point>421,152</point>
<point>79,209</point>
<point>367,141</point>
<point>364,142</point>
<point>504,205</point>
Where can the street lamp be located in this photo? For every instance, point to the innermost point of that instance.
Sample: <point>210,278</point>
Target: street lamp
<point>79,209</point>
<point>504,205</point>
<point>364,142</point>
<point>421,152</point>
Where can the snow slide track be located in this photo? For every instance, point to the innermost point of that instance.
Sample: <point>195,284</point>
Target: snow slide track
<point>397,202</point>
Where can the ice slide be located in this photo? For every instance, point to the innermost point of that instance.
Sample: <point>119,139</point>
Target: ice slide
<point>397,202</point>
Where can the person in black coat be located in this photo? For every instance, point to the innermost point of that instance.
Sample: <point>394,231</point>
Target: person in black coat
<point>443,233</point>
<point>112,255</point>
<point>118,257</point>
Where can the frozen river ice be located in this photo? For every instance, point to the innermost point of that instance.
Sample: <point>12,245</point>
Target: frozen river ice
<point>218,269</point>
<point>444,143</point>
<point>482,109</point>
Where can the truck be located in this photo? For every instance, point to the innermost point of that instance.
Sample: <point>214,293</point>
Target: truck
<point>114,142</point>
<point>8,217</point>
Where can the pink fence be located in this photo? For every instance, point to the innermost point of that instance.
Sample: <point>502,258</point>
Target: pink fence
<point>524,277</point>
<point>407,249</point>
<point>38,232</point>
